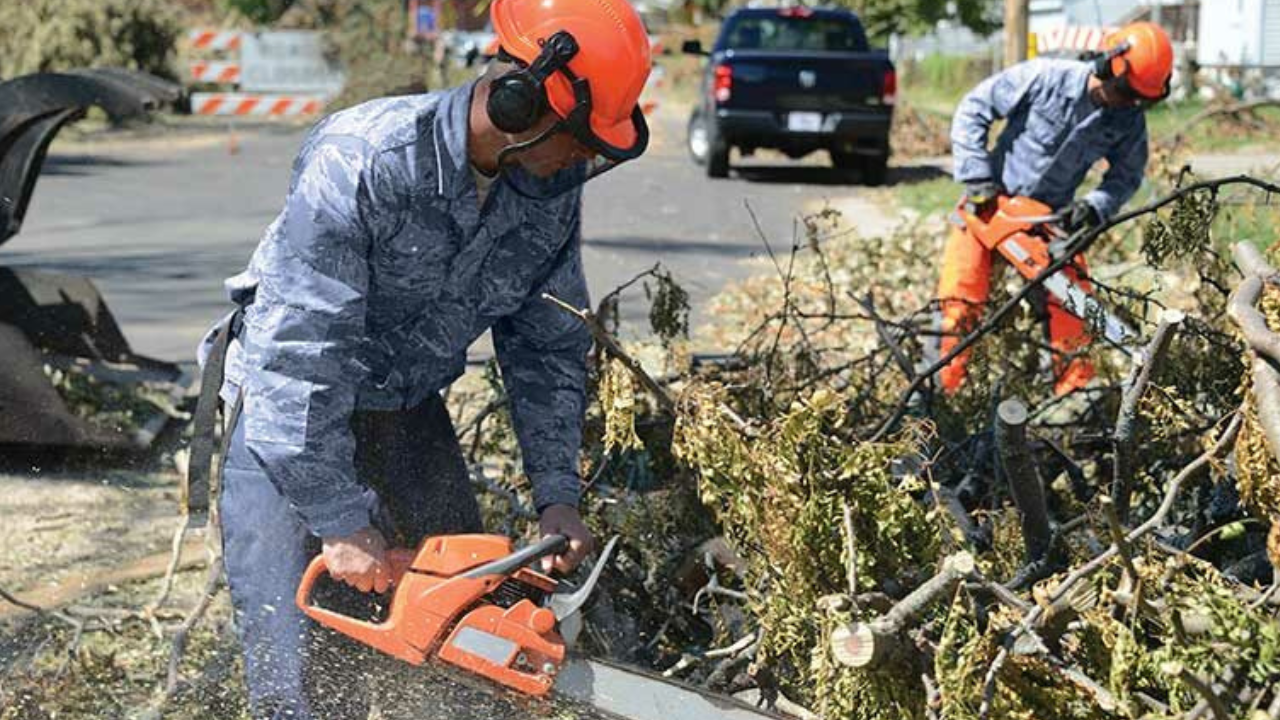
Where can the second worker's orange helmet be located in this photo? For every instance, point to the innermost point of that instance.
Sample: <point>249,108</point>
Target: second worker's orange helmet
<point>613,58</point>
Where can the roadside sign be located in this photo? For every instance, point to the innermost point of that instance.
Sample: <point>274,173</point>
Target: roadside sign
<point>289,61</point>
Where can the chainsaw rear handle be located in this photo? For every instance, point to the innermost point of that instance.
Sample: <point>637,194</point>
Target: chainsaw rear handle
<point>549,545</point>
<point>398,559</point>
<point>383,636</point>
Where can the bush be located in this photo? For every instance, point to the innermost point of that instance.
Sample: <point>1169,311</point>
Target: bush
<point>47,35</point>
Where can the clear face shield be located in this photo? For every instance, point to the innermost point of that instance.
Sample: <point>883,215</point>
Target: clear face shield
<point>577,125</point>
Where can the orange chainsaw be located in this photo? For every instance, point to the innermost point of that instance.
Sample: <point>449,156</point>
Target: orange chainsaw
<point>1027,234</point>
<point>471,601</point>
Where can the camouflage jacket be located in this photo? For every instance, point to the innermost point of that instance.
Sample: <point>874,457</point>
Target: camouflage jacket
<point>367,289</point>
<point>1053,135</point>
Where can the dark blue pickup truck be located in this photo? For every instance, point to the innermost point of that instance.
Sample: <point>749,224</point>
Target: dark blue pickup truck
<point>795,79</point>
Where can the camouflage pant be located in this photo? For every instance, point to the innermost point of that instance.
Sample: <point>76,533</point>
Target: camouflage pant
<point>418,486</point>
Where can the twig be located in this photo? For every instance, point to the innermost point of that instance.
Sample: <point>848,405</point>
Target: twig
<point>851,547</point>
<point>651,272</point>
<point>212,583</point>
<point>1126,420</point>
<point>882,331</point>
<point>1201,688</point>
<point>738,646</point>
<point>1117,536</point>
<point>1024,479</point>
<point>719,676</point>
<point>602,337</point>
<point>474,423</point>
<point>166,585</point>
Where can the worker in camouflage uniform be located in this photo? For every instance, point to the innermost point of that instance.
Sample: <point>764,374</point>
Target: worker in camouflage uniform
<point>412,225</point>
<point>1061,117</point>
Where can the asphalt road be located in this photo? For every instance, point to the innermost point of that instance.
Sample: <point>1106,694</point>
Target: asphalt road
<point>158,221</point>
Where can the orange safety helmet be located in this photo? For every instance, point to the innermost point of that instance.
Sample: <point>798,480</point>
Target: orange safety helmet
<point>1140,57</point>
<point>605,73</point>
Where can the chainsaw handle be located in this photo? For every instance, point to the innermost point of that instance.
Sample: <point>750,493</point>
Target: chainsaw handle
<point>398,559</point>
<point>549,545</point>
<point>384,636</point>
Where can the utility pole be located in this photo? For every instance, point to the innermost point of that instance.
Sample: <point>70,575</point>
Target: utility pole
<point>1015,31</point>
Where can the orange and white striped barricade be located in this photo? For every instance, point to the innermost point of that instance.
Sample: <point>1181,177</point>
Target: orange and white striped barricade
<point>255,105</point>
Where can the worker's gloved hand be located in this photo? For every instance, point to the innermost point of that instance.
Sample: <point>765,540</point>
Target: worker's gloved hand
<point>1080,215</point>
<point>565,520</point>
<point>359,560</point>
<point>981,195</point>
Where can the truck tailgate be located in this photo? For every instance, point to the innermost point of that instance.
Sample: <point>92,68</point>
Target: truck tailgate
<point>827,82</point>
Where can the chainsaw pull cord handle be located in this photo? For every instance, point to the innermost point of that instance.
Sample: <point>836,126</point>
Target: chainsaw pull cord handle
<point>549,545</point>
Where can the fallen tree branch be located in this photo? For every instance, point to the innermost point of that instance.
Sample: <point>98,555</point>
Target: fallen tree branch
<point>1241,307</point>
<point>1034,618</point>
<point>1126,419</point>
<point>851,547</point>
<point>872,643</point>
<point>213,581</point>
<point>1234,109</point>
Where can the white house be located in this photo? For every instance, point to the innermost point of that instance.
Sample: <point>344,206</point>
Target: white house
<point>1239,33</point>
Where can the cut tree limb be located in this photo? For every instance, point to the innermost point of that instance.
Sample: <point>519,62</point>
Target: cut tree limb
<point>878,641</point>
<point>1024,479</point>
<point>1127,418</point>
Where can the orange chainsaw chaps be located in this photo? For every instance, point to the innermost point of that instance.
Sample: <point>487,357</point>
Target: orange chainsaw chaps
<point>963,288</point>
<point>1067,336</point>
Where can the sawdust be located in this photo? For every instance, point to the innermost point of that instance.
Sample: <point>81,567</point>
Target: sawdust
<point>61,523</point>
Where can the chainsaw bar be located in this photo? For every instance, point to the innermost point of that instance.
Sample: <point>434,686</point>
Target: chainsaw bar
<point>1075,299</point>
<point>589,689</point>
<point>630,694</point>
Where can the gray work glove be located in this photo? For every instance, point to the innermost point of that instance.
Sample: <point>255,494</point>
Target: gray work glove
<point>1080,215</point>
<point>981,195</point>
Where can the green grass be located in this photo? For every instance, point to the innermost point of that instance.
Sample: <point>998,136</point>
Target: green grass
<point>1214,134</point>
<point>1256,223</point>
<point>938,82</point>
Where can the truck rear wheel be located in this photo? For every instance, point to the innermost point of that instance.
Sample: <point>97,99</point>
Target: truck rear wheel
<point>875,169</point>
<point>697,139</point>
<point>718,159</point>
<point>706,146</point>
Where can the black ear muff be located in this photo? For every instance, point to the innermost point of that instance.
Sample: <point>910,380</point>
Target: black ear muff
<point>518,99</point>
<point>516,102</point>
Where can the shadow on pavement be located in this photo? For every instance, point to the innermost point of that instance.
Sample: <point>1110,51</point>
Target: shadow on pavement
<point>669,246</point>
<point>821,175</point>
<point>81,164</point>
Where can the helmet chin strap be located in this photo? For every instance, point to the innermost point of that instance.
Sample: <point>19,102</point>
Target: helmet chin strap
<point>505,153</point>
<point>514,179</point>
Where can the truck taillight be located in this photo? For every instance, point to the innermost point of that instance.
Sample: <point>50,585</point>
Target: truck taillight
<point>889,90</point>
<point>723,85</point>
